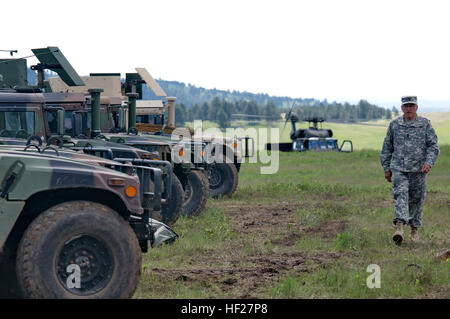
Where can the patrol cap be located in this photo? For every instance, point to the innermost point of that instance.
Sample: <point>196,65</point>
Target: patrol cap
<point>410,99</point>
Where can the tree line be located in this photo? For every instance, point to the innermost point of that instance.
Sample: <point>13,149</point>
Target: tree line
<point>346,112</point>
<point>222,111</point>
<point>191,95</point>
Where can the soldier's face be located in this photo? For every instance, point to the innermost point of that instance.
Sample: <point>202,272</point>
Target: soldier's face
<point>409,110</point>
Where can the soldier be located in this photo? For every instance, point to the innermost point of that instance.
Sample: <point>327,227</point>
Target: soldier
<point>409,151</point>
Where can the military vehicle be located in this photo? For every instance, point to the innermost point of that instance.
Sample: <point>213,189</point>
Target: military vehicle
<point>113,128</point>
<point>54,241</point>
<point>49,113</point>
<point>223,177</point>
<point>314,138</point>
<point>150,120</point>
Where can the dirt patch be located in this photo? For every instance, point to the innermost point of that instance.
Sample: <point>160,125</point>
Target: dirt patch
<point>262,220</point>
<point>247,265</point>
<point>288,240</point>
<point>329,229</point>
<point>239,281</point>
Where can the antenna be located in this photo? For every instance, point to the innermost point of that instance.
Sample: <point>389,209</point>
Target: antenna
<point>11,52</point>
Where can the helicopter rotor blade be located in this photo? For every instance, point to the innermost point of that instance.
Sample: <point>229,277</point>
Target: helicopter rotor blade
<point>287,116</point>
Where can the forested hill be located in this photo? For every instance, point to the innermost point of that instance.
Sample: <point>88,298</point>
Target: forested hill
<point>190,95</point>
<point>220,105</point>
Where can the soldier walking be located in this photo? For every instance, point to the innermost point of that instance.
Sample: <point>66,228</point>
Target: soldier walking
<point>409,151</point>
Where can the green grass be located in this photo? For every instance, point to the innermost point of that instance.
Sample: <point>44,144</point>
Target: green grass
<point>365,135</point>
<point>339,222</point>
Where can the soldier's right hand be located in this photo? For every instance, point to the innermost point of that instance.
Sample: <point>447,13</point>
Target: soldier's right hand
<point>388,176</point>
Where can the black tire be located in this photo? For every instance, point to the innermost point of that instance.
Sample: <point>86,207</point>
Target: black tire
<point>224,179</point>
<point>172,210</point>
<point>87,234</point>
<point>196,189</point>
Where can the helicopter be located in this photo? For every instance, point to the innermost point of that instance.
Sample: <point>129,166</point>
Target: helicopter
<point>314,138</point>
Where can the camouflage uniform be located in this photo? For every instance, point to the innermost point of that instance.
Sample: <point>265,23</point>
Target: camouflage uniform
<point>408,145</point>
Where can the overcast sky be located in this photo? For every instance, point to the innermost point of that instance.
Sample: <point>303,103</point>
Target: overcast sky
<point>339,50</point>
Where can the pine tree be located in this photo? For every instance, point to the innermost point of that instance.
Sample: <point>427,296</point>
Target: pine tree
<point>222,118</point>
<point>388,114</point>
<point>395,111</point>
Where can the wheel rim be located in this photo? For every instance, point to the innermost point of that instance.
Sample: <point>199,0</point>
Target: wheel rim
<point>93,259</point>
<point>216,178</point>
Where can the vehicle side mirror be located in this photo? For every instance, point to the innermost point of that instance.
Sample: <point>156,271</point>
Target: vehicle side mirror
<point>61,128</point>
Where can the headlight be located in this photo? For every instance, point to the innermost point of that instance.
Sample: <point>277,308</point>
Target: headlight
<point>131,191</point>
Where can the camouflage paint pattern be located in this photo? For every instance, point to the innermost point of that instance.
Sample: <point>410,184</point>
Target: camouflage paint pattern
<point>408,145</point>
<point>35,173</point>
<point>43,103</point>
<point>409,191</point>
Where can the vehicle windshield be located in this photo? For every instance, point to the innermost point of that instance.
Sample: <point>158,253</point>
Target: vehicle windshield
<point>313,144</point>
<point>53,122</point>
<point>332,144</point>
<point>20,124</point>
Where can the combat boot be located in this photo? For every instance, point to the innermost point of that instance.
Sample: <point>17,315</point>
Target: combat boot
<point>398,235</point>
<point>414,235</point>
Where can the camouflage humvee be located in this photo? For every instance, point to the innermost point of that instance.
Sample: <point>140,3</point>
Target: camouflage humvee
<point>194,183</point>
<point>29,117</point>
<point>46,127</point>
<point>150,120</point>
<point>69,229</point>
<point>222,176</point>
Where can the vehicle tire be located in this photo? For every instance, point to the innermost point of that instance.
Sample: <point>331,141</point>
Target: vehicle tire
<point>172,210</point>
<point>80,234</point>
<point>223,180</point>
<point>196,193</point>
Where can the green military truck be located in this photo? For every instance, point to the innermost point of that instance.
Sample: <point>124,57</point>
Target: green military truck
<point>69,229</point>
<point>222,176</point>
<point>150,120</point>
<point>47,115</point>
<point>24,119</point>
<point>103,123</point>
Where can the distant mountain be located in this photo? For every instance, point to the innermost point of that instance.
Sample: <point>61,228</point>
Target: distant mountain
<point>190,95</point>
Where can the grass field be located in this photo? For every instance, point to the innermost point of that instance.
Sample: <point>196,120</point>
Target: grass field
<point>309,231</point>
<point>365,135</point>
